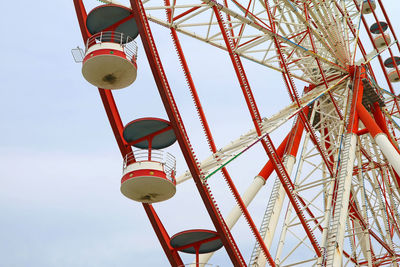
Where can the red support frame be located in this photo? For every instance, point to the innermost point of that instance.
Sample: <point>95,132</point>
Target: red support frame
<point>266,142</point>
<point>210,139</point>
<point>117,128</point>
<point>180,132</point>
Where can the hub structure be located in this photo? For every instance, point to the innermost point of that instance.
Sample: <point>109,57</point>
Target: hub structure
<point>333,180</point>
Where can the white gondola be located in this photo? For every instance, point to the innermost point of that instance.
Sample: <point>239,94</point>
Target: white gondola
<point>379,40</point>
<point>148,180</point>
<point>393,76</point>
<point>366,8</point>
<point>149,173</point>
<point>110,60</point>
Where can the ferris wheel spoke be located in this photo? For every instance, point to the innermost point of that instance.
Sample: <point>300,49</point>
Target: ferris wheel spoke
<point>236,147</point>
<point>246,25</point>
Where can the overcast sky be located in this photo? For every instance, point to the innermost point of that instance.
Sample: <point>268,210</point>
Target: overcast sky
<point>60,167</point>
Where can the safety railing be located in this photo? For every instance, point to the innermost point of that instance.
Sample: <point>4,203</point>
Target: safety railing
<point>126,42</point>
<point>166,159</point>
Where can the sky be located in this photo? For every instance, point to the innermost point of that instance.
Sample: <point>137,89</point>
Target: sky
<point>60,167</point>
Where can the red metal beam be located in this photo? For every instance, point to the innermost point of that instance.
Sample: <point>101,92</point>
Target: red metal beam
<point>266,142</point>
<point>81,15</point>
<point>115,120</point>
<point>185,13</point>
<point>180,132</point>
<point>210,139</point>
<point>268,168</point>
<point>172,255</point>
<point>106,95</point>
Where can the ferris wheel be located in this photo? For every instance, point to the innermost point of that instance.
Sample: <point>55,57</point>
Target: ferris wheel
<point>336,193</point>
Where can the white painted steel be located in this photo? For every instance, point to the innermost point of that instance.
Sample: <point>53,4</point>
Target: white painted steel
<point>388,150</point>
<point>267,126</point>
<point>363,237</point>
<point>338,220</point>
<point>273,221</point>
<point>236,212</point>
<point>282,237</point>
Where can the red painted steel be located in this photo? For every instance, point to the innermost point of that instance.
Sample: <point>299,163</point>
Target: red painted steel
<point>358,90</point>
<point>173,256</point>
<point>267,142</point>
<point>357,215</point>
<point>210,140</point>
<point>145,172</point>
<point>106,95</point>
<point>297,133</point>
<point>115,25</point>
<point>268,168</point>
<point>150,136</point>
<point>115,120</point>
<point>362,132</point>
<point>353,32</point>
<point>240,73</point>
<point>368,121</point>
<point>180,132</point>
<point>81,15</point>
<point>191,85</point>
<point>285,180</point>
<point>198,243</point>
<point>185,13</point>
